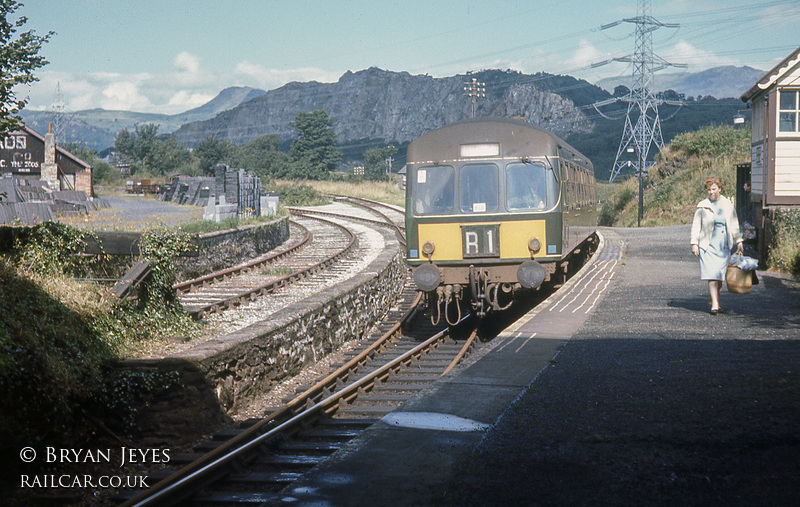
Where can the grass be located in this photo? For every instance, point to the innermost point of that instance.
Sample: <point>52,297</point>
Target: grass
<point>676,183</point>
<point>382,191</point>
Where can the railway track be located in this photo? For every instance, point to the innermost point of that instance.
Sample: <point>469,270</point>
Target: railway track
<point>255,463</point>
<point>322,244</point>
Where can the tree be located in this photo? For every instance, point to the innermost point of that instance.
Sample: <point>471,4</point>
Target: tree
<point>19,58</point>
<point>313,154</point>
<point>375,162</point>
<point>150,155</point>
<point>212,151</point>
<point>263,156</point>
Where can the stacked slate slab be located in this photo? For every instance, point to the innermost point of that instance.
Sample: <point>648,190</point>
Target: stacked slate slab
<point>233,189</point>
<point>27,202</point>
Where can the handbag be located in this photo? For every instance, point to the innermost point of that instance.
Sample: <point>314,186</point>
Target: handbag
<point>738,281</point>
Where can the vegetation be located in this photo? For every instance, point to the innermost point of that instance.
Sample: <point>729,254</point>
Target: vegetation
<point>18,61</point>
<point>148,155</point>
<point>675,185</point>
<point>784,254</point>
<point>375,165</point>
<point>313,154</point>
<point>55,363</point>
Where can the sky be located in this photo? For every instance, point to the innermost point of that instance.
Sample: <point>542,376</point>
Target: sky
<point>169,56</point>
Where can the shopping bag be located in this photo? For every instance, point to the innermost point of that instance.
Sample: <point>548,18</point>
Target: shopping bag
<point>738,281</point>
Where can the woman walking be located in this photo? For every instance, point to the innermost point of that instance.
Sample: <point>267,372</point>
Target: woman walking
<point>715,229</point>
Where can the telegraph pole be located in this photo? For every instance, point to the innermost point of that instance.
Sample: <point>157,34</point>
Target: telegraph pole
<point>475,90</point>
<point>389,161</point>
<point>639,137</point>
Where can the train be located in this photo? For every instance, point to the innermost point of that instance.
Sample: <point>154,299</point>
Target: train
<point>494,206</point>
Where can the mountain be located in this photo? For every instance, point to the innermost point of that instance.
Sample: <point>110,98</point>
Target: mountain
<point>374,107</point>
<point>98,128</point>
<point>397,106</point>
<point>719,82</point>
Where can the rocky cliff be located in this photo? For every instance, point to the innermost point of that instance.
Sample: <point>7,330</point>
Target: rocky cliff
<point>398,106</point>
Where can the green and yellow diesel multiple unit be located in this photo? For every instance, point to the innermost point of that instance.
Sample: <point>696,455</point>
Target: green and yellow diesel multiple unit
<point>493,205</point>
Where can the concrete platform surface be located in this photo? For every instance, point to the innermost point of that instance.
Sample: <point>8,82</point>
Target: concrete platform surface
<point>621,389</point>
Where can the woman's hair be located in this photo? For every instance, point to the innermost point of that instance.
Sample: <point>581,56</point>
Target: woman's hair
<point>713,180</point>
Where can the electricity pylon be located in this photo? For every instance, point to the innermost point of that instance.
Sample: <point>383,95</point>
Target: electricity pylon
<point>58,115</point>
<point>643,104</point>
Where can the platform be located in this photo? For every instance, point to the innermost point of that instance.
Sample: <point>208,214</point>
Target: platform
<point>621,389</point>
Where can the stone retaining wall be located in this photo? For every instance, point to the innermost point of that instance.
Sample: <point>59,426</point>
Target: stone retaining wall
<point>222,249</point>
<point>220,377</point>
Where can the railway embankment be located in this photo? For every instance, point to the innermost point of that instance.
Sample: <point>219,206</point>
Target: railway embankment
<point>221,376</point>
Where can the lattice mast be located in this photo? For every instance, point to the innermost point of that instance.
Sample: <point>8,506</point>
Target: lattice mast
<point>640,135</point>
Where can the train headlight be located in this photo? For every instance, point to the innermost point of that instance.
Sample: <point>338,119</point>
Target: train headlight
<point>534,245</point>
<point>427,277</point>
<point>428,248</point>
<point>530,274</point>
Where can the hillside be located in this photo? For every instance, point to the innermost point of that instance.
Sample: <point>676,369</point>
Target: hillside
<point>398,107</point>
<point>374,107</point>
<point>719,82</point>
<point>98,128</point>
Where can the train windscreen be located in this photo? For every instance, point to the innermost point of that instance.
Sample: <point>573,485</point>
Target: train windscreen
<point>530,187</point>
<point>479,188</point>
<point>434,190</point>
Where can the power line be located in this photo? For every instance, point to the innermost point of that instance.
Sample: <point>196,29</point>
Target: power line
<point>643,104</point>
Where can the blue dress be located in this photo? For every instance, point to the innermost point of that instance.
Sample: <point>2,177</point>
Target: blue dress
<point>714,261</point>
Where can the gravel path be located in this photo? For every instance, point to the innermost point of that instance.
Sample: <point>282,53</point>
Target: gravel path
<point>655,401</point>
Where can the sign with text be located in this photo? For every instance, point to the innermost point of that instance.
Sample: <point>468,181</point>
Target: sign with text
<point>480,240</point>
<point>21,153</point>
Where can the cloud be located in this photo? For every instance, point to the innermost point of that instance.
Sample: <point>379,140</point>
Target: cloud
<point>696,59</point>
<point>187,62</point>
<point>124,95</point>
<point>186,86</point>
<point>185,100</point>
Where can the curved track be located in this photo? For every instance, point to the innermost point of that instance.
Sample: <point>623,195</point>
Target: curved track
<point>323,243</point>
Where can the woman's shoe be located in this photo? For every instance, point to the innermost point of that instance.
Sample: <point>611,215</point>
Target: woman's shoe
<point>715,311</point>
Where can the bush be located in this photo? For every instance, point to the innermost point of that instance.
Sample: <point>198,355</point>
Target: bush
<point>784,254</point>
<point>51,359</point>
<point>59,336</point>
<point>298,194</point>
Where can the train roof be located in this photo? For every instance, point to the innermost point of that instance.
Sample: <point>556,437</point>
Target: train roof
<point>517,139</point>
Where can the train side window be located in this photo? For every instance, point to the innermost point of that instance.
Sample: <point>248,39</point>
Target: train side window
<point>480,188</point>
<point>527,188</point>
<point>434,190</point>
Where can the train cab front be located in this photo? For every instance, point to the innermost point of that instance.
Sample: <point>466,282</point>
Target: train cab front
<point>459,265</point>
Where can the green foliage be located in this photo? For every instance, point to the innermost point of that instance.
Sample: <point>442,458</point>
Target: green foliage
<point>212,151</point>
<point>784,252</point>
<point>49,248</point>
<point>52,359</point>
<point>262,156</point>
<point>677,182</point>
<point>19,59</point>
<point>125,389</point>
<point>161,246</point>
<point>313,154</point>
<point>375,165</point>
<point>296,194</point>
<point>150,155</point>
<point>714,142</point>
<point>58,336</point>
<point>615,205</point>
